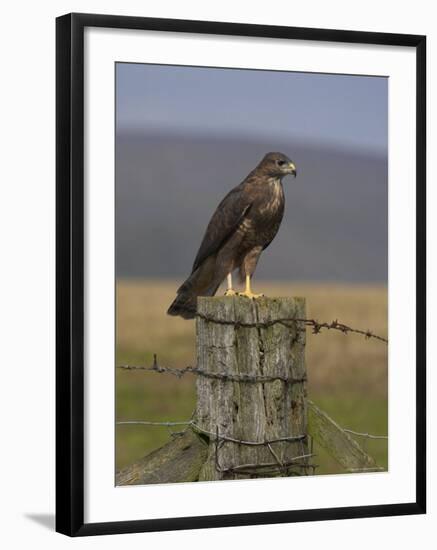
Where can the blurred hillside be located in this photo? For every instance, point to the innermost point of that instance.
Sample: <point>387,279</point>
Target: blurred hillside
<point>335,224</point>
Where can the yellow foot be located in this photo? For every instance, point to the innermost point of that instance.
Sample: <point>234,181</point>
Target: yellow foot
<point>249,294</point>
<point>230,292</point>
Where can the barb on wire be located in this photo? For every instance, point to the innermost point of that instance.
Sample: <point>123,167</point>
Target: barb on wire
<point>345,329</point>
<point>157,368</point>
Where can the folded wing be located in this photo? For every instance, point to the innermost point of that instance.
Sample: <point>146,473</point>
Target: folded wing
<point>224,222</point>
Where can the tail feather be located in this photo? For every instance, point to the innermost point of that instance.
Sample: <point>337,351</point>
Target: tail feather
<point>183,306</point>
<point>199,283</point>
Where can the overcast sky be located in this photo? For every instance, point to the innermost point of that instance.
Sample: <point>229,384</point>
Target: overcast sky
<point>339,110</point>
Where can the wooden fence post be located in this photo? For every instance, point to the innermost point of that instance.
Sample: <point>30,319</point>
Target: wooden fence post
<point>253,386</point>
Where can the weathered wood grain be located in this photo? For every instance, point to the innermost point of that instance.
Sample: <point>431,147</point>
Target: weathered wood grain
<point>338,443</point>
<point>245,410</point>
<point>180,460</point>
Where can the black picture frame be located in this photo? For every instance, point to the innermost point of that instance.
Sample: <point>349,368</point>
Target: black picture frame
<point>70,273</point>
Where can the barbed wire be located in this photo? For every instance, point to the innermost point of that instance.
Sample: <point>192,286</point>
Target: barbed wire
<point>316,326</point>
<point>197,428</point>
<point>265,467</point>
<point>250,378</point>
<point>154,423</point>
<point>345,329</point>
<point>364,434</point>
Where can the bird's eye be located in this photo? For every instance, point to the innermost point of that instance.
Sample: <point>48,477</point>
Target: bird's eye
<point>280,162</point>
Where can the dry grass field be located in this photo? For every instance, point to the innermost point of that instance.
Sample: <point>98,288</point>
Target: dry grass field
<point>347,375</point>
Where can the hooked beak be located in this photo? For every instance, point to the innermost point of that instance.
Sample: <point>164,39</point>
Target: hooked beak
<point>292,169</point>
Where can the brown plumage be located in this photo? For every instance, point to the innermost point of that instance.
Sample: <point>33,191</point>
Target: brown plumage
<point>243,225</point>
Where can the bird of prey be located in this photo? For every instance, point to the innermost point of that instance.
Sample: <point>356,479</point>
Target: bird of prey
<point>243,225</point>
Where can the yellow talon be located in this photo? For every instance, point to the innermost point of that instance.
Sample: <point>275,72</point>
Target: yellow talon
<point>230,292</point>
<point>250,295</point>
<point>248,291</point>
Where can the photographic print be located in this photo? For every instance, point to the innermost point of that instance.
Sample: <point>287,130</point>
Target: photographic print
<point>240,274</point>
<point>251,273</point>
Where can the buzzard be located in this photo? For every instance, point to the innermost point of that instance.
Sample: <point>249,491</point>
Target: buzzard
<point>243,225</point>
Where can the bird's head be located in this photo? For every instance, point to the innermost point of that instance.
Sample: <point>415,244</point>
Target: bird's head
<point>277,165</point>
